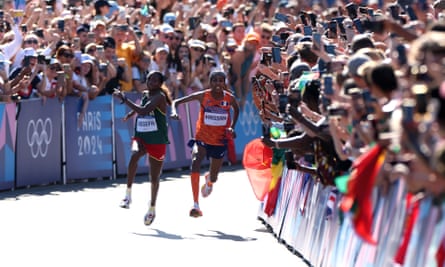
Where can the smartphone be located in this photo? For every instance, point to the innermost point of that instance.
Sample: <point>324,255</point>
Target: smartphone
<point>284,36</point>
<point>49,10</point>
<point>41,59</point>
<point>307,30</point>
<point>358,25</point>
<point>282,102</point>
<point>66,67</point>
<point>328,88</point>
<point>316,38</point>
<point>401,54</point>
<point>363,10</point>
<point>60,75</point>
<point>91,36</point>
<point>103,67</point>
<point>193,22</point>
<point>281,17</point>
<point>276,39</point>
<point>226,24</point>
<point>76,42</point>
<point>330,49</point>
<point>351,8</point>
<point>26,62</point>
<point>371,12</point>
<point>265,131</point>
<point>61,25</point>
<point>24,28</point>
<point>2,14</point>
<point>411,14</point>
<point>332,26</point>
<point>78,55</point>
<point>303,19</point>
<point>276,54</point>
<point>394,11</point>
<point>313,19</point>
<point>408,108</point>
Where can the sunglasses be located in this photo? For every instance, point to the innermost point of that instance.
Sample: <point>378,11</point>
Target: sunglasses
<point>31,41</point>
<point>55,67</point>
<point>92,50</point>
<point>169,37</point>
<point>197,49</point>
<point>68,55</point>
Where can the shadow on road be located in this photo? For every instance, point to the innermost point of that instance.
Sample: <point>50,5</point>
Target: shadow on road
<point>96,183</point>
<point>224,236</point>
<point>162,234</point>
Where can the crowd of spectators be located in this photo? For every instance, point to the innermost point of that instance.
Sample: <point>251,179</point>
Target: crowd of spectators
<point>330,78</point>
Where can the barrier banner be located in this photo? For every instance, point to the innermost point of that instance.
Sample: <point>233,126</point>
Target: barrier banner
<point>248,126</point>
<point>7,145</point>
<point>39,142</point>
<point>123,132</point>
<point>88,146</point>
<point>176,155</point>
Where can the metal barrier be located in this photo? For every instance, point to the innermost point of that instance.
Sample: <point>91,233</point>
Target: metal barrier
<point>307,220</point>
<point>43,143</point>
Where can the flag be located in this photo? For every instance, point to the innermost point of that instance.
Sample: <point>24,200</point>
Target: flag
<point>274,187</point>
<point>412,213</point>
<point>359,190</point>
<point>257,160</point>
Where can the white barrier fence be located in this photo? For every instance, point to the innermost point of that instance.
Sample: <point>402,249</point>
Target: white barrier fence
<point>308,221</point>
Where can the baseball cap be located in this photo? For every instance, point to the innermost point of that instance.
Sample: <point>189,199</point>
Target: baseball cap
<point>162,48</point>
<point>166,28</point>
<point>85,58</point>
<point>252,36</point>
<point>30,52</point>
<point>354,64</point>
<point>168,17</point>
<point>197,43</point>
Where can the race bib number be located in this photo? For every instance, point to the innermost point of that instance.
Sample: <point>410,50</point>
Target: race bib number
<point>215,119</point>
<point>146,124</point>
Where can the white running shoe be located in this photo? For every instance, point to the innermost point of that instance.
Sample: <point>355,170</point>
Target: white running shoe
<point>206,189</point>
<point>150,216</point>
<point>125,203</point>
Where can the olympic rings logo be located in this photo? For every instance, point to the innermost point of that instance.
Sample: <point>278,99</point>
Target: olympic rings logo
<point>249,119</point>
<point>39,135</point>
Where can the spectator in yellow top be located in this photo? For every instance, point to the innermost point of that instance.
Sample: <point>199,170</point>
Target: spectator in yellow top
<point>124,49</point>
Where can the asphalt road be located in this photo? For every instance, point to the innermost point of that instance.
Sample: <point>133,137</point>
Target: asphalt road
<point>82,225</point>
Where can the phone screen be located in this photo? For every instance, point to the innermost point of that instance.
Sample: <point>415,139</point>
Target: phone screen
<point>352,10</point>
<point>327,84</point>
<point>276,54</point>
<point>281,17</point>
<point>307,30</point>
<point>358,25</point>
<point>282,103</point>
<point>316,37</point>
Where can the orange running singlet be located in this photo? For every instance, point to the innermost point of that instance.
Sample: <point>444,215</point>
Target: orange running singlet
<point>214,118</point>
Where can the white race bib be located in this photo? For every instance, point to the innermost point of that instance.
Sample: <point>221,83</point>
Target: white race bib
<point>146,124</point>
<point>215,119</point>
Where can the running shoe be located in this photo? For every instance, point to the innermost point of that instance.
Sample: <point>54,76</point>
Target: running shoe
<point>206,189</point>
<point>125,203</point>
<point>195,212</point>
<point>149,217</point>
